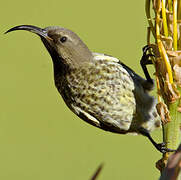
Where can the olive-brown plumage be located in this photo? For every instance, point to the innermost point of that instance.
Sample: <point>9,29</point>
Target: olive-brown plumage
<point>98,88</point>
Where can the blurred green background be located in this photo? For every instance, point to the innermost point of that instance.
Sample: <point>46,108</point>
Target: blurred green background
<point>40,138</point>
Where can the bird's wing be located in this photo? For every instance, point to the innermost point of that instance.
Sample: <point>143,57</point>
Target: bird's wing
<point>146,115</point>
<point>104,96</point>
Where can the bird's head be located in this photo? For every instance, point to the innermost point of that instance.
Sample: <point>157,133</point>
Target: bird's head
<point>63,45</point>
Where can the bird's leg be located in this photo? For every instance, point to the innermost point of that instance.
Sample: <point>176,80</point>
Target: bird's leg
<point>145,61</point>
<point>159,146</point>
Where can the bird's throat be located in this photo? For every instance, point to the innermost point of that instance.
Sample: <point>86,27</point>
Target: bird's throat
<point>59,66</point>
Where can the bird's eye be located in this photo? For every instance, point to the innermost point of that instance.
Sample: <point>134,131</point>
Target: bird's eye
<point>63,39</point>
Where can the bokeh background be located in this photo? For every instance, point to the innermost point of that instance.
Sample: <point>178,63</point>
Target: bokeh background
<point>40,138</point>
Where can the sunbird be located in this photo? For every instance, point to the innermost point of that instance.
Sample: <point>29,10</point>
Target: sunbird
<point>99,88</point>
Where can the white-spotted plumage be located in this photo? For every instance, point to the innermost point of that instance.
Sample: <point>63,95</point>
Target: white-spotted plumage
<point>110,95</point>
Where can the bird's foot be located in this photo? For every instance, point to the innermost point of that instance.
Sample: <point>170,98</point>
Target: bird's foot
<point>145,60</point>
<point>162,148</point>
<point>147,55</point>
<point>159,146</point>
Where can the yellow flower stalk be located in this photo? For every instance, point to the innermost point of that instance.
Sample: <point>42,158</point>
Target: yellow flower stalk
<point>165,28</point>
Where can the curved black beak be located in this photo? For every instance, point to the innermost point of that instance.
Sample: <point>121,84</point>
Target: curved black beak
<point>47,41</point>
<point>34,29</point>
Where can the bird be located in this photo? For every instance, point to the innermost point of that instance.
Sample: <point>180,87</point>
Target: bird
<point>99,88</point>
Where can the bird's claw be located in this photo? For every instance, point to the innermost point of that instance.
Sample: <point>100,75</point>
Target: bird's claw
<point>146,48</point>
<point>162,148</point>
<point>145,58</point>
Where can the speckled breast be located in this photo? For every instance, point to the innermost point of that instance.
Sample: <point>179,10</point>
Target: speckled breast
<point>103,89</point>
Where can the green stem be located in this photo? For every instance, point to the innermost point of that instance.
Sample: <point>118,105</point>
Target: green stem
<point>172,129</point>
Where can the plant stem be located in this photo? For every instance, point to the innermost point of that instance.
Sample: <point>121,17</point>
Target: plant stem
<point>165,27</point>
<point>175,25</point>
<point>172,128</point>
<point>170,5</point>
<point>168,66</point>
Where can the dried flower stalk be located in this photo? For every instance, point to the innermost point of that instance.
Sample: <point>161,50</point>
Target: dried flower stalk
<point>166,30</point>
